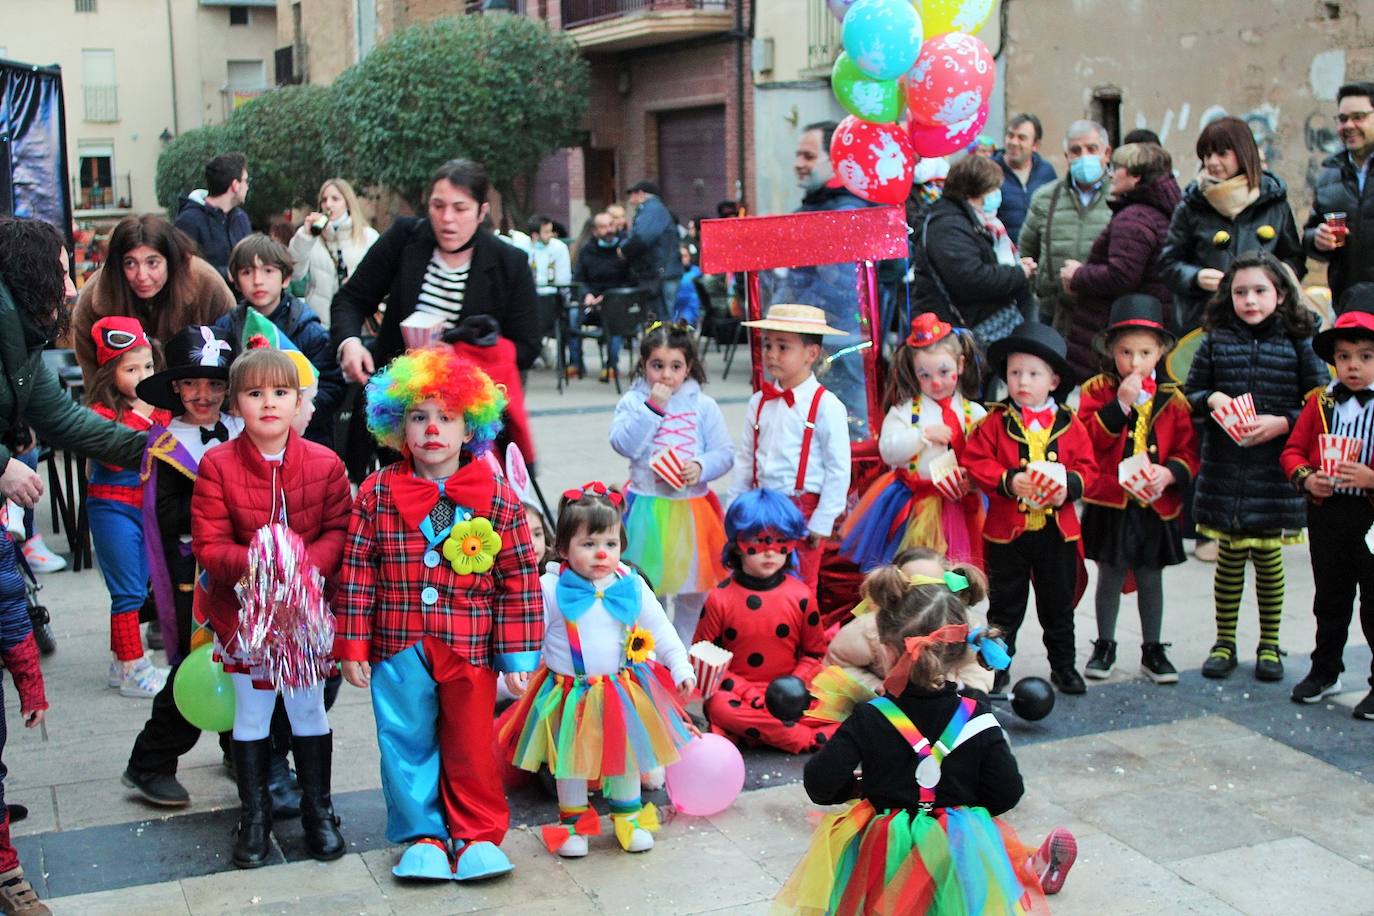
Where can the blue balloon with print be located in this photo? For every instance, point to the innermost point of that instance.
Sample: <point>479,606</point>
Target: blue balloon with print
<point>882,37</point>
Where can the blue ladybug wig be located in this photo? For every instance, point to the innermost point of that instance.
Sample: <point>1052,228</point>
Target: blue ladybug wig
<point>755,512</point>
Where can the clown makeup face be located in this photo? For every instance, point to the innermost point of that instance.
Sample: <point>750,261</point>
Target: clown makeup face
<point>201,399</point>
<point>434,437</point>
<point>594,554</point>
<point>937,370</point>
<point>763,554</point>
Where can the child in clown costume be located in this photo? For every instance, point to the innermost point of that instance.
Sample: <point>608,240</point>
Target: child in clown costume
<point>599,708</point>
<point>438,593</point>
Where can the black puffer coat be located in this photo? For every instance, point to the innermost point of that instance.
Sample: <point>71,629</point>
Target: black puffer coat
<point>1338,190</point>
<point>954,255</point>
<point>1244,489</point>
<point>1192,243</point>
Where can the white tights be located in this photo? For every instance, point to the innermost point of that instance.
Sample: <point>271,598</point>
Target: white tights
<point>253,710</point>
<point>572,793</point>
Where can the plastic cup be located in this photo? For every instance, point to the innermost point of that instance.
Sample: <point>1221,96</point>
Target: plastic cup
<point>1335,221</point>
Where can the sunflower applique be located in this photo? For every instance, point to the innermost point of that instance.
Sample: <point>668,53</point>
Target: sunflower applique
<point>472,546</point>
<point>638,644</point>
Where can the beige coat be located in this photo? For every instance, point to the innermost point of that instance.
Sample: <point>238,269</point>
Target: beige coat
<point>857,650</point>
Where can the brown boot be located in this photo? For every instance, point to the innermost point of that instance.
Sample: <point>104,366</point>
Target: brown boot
<point>17,896</point>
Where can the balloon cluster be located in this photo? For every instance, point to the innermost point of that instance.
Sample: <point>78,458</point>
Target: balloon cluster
<point>285,625</point>
<point>916,83</point>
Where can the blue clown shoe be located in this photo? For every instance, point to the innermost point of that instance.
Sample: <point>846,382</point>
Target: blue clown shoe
<point>425,859</point>
<point>481,860</point>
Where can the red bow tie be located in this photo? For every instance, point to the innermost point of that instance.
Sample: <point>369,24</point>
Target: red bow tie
<point>1148,386</point>
<point>1044,417</point>
<point>771,391</point>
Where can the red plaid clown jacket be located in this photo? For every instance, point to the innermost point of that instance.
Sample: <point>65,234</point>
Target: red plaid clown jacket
<point>396,586</point>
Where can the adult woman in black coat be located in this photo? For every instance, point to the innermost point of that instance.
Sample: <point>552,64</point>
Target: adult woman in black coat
<point>966,268</point>
<point>1233,208</point>
<point>498,280</point>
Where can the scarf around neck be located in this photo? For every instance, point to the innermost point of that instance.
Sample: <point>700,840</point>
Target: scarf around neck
<point>1231,197</point>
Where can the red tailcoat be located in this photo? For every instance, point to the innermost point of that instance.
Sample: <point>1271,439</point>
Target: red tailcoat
<point>1301,456</point>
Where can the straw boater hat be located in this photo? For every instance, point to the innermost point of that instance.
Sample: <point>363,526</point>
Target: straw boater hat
<point>798,319</point>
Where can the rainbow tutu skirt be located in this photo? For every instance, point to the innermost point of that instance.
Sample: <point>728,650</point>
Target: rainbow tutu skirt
<point>676,543</point>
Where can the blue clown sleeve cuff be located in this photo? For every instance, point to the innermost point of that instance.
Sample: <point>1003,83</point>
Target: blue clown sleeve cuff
<point>513,662</point>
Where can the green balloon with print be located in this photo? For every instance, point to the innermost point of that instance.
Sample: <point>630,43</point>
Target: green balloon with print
<point>877,101</point>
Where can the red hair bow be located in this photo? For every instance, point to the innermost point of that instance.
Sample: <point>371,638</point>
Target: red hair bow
<point>900,674</point>
<point>595,488</point>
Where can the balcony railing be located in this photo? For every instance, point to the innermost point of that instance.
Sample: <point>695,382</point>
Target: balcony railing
<point>822,36</point>
<point>90,196</point>
<point>585,12</point>
<point>102,102</point>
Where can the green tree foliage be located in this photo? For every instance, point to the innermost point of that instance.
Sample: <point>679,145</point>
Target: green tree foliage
<point>181,166</point>
<point>282,133</point>
<point>503,90</point>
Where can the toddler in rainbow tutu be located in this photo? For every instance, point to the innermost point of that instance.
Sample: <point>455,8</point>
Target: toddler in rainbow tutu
<point>599,708</point>
<point>935,771</point>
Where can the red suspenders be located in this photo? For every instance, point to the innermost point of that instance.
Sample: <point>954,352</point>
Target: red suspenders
<point>807,436</point>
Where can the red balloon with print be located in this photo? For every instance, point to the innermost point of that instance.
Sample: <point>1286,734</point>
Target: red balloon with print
<point>873,161</point>
<point>951,80</point>
<point>939,140</point>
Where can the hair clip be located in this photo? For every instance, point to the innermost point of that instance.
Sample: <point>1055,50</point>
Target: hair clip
<point>594,488</point>
<point>673,326</point>
<point>951,580</point>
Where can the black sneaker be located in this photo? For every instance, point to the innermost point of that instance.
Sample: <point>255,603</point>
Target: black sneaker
<point>158,788</point>
<point>1068,681</point>
<point>1104,657</point>
<point>1365,708</point>
<point>1268,665</point>
<point>1222,660</point>
<point>1314,688</point>
<point>1156,664</point>
<point>1001,680</point>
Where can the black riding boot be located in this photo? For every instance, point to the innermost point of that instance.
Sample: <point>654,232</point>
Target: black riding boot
<point>313,762</point>
<point>254,842</point>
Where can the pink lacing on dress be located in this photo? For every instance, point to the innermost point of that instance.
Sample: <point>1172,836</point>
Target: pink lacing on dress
<point>677,431</point>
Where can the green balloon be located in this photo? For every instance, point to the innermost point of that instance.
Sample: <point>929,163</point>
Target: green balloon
<point>877,101</point>
<point>204,694</point>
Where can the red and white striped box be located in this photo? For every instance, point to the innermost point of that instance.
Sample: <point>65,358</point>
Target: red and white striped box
<point>1048,480</point>
<point>1337,449</point>
<point>708,666</point>
<point>669,466</point>
<point>1237,417</point>
<point>420,329</point>
<point>1137,476</point>
<point>944,474</point>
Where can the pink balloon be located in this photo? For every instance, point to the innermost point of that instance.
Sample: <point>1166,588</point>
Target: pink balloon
<point>951,79</point>
<point>873,161</point>
<point>939,140</point>
<point>708,776</point>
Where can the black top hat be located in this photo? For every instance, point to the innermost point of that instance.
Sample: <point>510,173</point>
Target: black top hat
<point>198,351</point>
<point>1135,312</point>
<point>1355,322</point>
<point>1038,340</point>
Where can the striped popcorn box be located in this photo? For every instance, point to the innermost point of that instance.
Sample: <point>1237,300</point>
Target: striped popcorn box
<point>668,465</point>
<point>708,665</point>
<point>1136,475</point>
<point>1048,479</point>
<point>944,474</point>
<point>420,329</point>
<point>1337,449</point>
<point>1236,417</point>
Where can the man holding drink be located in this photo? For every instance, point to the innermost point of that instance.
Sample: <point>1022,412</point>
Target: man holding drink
<point>1344,201</point>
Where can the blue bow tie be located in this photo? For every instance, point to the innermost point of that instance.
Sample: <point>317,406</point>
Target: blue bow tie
<point>621,599</point>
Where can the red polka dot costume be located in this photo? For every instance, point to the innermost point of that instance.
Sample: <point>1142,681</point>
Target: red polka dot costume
<point>773,627</point>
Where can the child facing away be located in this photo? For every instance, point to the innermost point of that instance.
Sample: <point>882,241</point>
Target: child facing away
<point>124,358</point>
<point>857,647</point>
<point>439,592</point>
<point>191,388</point>
<point>1028,540</point>
<point>261,267</point>
<point>599,707</point>
<point>922,836</point>
<point>929,416</point>
<point>1132,409</point>
<point>768,619</point>
<point>675,532</point>
<point>796,435</point>
<point>270,476</point>
<point>1258,341</point>
<point>1339,507</point>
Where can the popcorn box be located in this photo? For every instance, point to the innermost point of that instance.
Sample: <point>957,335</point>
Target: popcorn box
<point>420,329</point>
<point>708,665</point>
<point>1336,449</point>
<point>669,466</point>
<point>1136,475</point>
<point>1048,479</point>
<point>1236,416</point>
<point>944,474</point>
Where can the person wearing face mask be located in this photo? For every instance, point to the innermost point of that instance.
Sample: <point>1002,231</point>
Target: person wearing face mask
<point>599,268</point>
<point>328,247</point>
<point>1065,217</point>
<point>967,269</point>
<point>1235,207</point>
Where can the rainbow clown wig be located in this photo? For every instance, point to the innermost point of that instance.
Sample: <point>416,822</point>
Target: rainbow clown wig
<point>760,514</point>
<point>441,374</point>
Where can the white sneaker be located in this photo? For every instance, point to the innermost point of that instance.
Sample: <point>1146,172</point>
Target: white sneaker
<point>41,559</point>
<point>144,682</point>
<point>640,841</point>
<point>574,847</point>
<point>116,675</point>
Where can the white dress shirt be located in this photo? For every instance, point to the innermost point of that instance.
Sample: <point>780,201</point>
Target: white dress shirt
<point>551,266</point>
<point>900,441</point>
<point>780,431</point>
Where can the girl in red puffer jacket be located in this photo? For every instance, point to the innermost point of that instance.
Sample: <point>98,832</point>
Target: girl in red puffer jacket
<point>270,475</point>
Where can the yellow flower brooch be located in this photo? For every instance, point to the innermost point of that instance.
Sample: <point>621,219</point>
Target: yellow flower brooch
<point>638,644</point>
<point>472,546</point>
<point>1222,238</point>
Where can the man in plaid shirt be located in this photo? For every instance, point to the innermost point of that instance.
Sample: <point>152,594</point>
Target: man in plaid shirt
<point>439,592</point>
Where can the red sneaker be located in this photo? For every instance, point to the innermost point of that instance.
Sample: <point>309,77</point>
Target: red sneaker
<point>1054,858</point>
